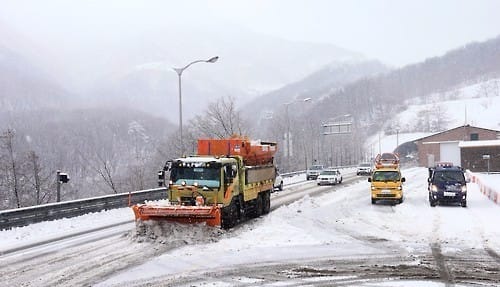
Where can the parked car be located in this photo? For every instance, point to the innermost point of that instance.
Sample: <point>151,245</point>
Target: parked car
<point>313,171</point>
<point>329,176</point>
<point>447,184</point>
<point>278,182</point>
<point>364,168</point>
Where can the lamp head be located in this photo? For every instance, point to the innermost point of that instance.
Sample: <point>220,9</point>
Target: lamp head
<point>213,59</point>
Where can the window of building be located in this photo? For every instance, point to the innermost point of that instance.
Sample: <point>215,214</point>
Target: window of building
<point>474,137</point>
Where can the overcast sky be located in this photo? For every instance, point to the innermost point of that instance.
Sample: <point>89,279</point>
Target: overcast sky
<point>396,32</point>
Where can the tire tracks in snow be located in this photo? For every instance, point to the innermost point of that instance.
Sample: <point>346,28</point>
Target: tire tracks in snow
<point>439,257</point>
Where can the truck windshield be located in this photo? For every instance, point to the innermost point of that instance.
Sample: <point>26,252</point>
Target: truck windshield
<point>445,176</point>
<point>203,176</point>
<point>386,176</point>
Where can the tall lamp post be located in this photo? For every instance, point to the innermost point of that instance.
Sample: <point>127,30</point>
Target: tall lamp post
<point>179,73</point>
<point>288,153</point>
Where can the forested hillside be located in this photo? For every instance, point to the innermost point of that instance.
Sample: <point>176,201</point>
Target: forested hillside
<point>373,98</point>
<point>103,151</point>
<point>370,102</point>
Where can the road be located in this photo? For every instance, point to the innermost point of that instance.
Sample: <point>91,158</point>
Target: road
<point>359,245</point>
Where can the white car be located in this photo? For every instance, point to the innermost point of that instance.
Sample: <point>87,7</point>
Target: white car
<point>329,176</point>
<point>364,169</point>
<point>278,182</point>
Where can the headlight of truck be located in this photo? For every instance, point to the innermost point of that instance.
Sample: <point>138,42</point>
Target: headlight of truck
<point>373,188</point>
<point>464,189</point>
<point>434,188</point>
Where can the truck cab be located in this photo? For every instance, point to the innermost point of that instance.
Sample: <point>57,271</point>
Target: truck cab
<point>447,184</point>
<point>387,184</point>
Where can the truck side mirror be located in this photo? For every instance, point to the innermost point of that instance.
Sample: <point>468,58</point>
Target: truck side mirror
<point>234,171</point>
<point>228,174</point>
<point>168,165</point>
<point>403,179</point>
<point>369,179</point>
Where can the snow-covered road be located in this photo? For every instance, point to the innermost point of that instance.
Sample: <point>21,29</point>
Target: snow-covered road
<point>336,237</point>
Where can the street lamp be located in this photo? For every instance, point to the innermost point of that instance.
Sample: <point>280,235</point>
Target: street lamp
<point>179,73</point>
<point>288,154</point>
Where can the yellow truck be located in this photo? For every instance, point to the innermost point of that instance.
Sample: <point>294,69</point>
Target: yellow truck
<point>386,182</point>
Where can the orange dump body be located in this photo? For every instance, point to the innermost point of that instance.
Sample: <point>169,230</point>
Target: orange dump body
<point>211,215</point>
<point>253,153</point>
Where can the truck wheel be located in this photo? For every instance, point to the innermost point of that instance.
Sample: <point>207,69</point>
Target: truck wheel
<point>464,203</point>
<point>374,201</point>
<point>229,216</point>
<point>266,203</point>
<point>432,203</point>
<point>257,207</point>
<point>280,187</point>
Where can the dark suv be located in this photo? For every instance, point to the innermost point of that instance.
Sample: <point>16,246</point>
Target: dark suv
<point>447,184</point>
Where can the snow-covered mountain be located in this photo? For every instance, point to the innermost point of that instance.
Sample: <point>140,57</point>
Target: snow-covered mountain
<point>474,104</point>
<point>316,85</point>
<point>132,65</point>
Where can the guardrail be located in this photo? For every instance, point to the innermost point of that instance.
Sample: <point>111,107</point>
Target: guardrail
<point>51,211</point>
<point>290,174</point>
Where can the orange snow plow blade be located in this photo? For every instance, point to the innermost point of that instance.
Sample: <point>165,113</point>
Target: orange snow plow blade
<point>211,215</point>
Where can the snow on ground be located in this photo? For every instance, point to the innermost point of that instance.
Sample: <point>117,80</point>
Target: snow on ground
<point>476,104</point>
<point>21,236</point>
<point>491,180</point>
<point>337,224</point>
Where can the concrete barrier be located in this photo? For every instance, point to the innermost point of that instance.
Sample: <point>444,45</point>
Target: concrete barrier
<point>488,191</point>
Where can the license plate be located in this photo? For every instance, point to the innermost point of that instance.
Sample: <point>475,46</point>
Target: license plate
<point>449,193</point>
<point>386,191</point>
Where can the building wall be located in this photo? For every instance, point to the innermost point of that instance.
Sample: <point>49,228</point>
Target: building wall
<point>472,158</point>
<point>456,134</point>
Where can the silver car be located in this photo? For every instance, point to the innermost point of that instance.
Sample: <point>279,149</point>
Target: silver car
<point>314,171</point>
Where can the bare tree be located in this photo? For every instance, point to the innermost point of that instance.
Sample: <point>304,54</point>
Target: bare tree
<point>35,165</point>
<point>11,168</point>
<point>220,120</point>
<point>106,169</point>
<point>137,174</point>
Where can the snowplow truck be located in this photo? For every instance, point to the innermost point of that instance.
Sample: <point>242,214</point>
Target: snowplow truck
<point>228,180</point>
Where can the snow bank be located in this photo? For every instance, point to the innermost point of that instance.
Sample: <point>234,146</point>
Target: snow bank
<point>488,185</point>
